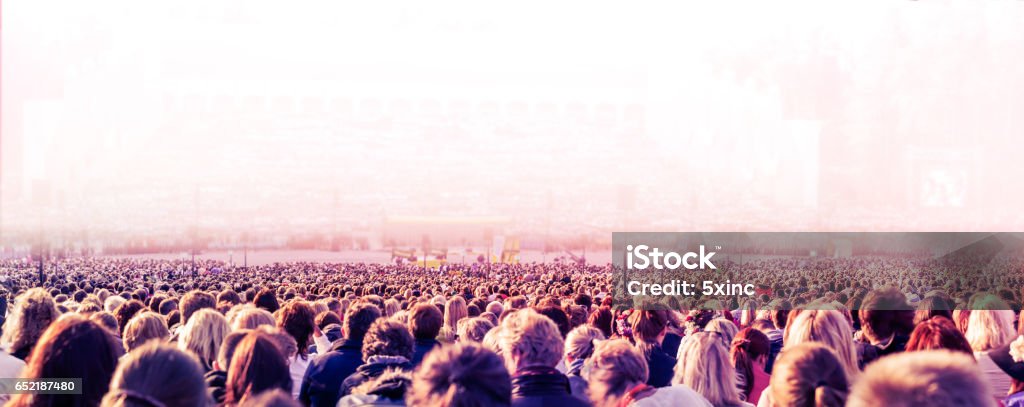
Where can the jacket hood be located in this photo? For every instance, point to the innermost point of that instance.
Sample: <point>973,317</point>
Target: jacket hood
<point>391,384</point>
<point>376,365</point>
<point>540,382</point>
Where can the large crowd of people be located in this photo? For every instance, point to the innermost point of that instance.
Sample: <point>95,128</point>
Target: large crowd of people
<point>176,333</point>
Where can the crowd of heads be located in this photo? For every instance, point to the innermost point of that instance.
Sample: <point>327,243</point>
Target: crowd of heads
<point>164,333</point>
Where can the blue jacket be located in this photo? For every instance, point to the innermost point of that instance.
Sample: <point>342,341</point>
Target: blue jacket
<point>660,367</point>
<point>1014,400</point>
<point>374,367</point>
<point>423,346</point>
<point>322,382</point>
<point>543,387</point>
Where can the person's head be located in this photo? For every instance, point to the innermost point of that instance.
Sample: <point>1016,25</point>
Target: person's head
<point>125,312</point>
<point>266,299</point>
<point>194,301</point>
<point>602,319</point>
<point>616,367</point>
<point>495,307</point>
<point>809,374</point>
<point>32,313</point>
<point>723,328</point>
<point>474,329</point>
<point>749,350</point>
<point>704,366</point>
<point>203,335</point>
<point>556,315</point>
<point>168,305</point>
<point>229,296</point>
<point>649,327</point>
<point>227,349</point>
<point>830,328</point>
<point>579,344</point>
<point>144,327</point>
<point>884,313</point>
<point>256,366</point>
<point>938,333</point>
<point>358,319</point>
<point>252,318</point>
<point>326,318</point>
<point>71,346</point>
<point>990,324</point>
<point>105,320</point>
<point>461,375</point>
<point>763,325</point>
<point>157,375</point>
<point>529,339</point>
<point>391,307</point>
<point>938,378</point>
<point>112,302</point>
<point>285,342</point>
<point>388,338</point>
<point>425,322</point>
<point>933,306</point>
<point>296,318</point>
<point>454,310</point>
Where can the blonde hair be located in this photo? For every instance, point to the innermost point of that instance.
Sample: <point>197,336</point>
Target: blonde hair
<point>990,324</point>
<point>112,302</point>
<point>492,340</point>
<point>939,378</point>
<point>391,307</point>
<point>809,374</point>
<point>33,311</point>
<point>454,311</point>
<point>318,307</point>
<point>828,327</point>
<point>144,327</point>
<point>724,328</point>
<point>704,366</point>
<point>203,334</point>
<point>616,366</point>
<point>284,341</point>
<point>530,339</point>
<point>252,318</point>
<point>474,329</point>
<point>579,343</point>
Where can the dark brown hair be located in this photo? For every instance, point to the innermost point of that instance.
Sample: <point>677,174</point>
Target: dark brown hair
<point>72,347</point>
<point>296,318</point>
<point>748,345</point>
<point>161,373</point>
<point>601,319</point>
<point>256,366</point>
<point>388,338</point>
<point>194,301</point>
<point>647,326</point>
<point>425,322</point>
<point>464,374</point>
<point>885,312</point>
<point>125,312</point>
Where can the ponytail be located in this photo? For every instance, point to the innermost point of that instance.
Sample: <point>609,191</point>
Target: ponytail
<point>743,363</point>
<point>828,396</point>
<point>748,345</point>
<point>647,326</point>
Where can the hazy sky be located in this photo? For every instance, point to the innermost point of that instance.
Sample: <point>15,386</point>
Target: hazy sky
<point>152,117</point>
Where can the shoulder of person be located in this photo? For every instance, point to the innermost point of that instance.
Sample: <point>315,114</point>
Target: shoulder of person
<point>675,395</point>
